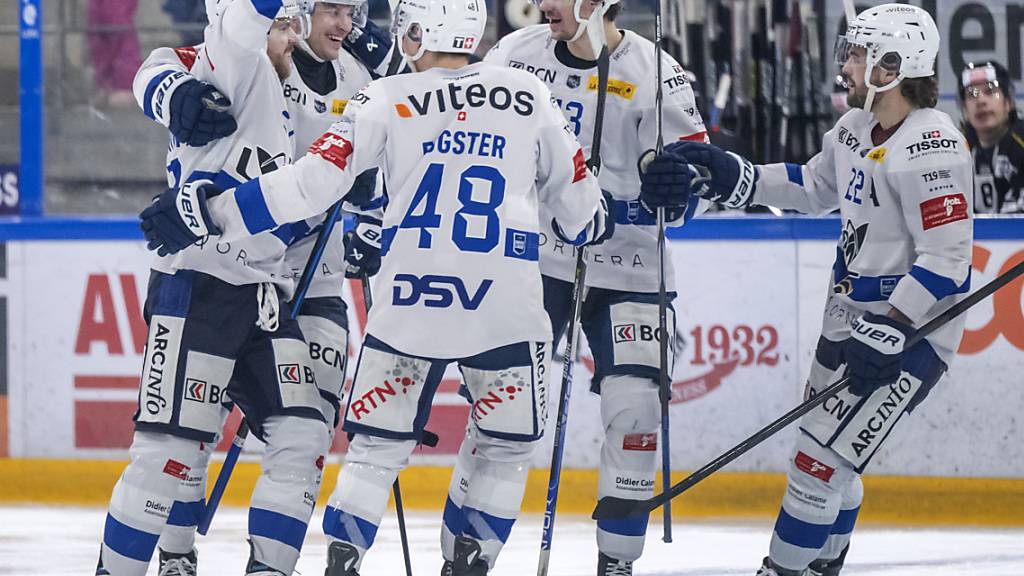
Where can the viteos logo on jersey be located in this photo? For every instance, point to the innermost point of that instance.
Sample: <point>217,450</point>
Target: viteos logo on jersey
<point>544,74</point>
<point>457,96</point>
<point>440,291</point>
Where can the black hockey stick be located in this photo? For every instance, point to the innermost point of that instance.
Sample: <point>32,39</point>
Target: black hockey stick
<point>569,358</point>
<point>610,507</point>
<point>663,375</point>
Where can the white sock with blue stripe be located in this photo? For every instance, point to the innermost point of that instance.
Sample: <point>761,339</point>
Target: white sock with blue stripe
<point>143,498</point>
<point>363,488</point>
<point>286,490</point>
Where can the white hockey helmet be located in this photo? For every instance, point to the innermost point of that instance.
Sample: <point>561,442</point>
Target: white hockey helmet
<point>899,38</point>
<point>445,25</point>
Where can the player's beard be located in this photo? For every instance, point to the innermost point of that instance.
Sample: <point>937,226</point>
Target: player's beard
<point>857,98</point>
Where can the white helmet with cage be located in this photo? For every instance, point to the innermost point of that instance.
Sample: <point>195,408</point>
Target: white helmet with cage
<point>899,38</point>
<point>444,25</point>
<point>360,11</point>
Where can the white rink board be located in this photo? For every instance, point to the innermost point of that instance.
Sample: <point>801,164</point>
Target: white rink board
<point>730,291</point>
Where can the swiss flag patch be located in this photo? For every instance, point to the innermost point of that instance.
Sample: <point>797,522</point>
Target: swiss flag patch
<point>579,165</point>
<point>332,148</point>
<point>811,466</point>
<point>943,210</point>
<point>176,469</point>
<point>640,442</point>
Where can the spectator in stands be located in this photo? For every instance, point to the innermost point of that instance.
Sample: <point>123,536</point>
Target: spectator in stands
<point>995,136</point>
<point>114,50</point>
<point>187,12</point>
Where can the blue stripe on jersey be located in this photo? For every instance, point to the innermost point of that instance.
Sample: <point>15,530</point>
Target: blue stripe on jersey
<point>349,528</point>
<point>799,533</point>
<point>387,236</point>
<point>267,8</point>
<point>939,286</point>
<point>632,526</point>
<point>253,207</point>
<point>174,296</point>
<point>521,244</point>
<point>845,521</point>
<point>484,526</point>
<point>795,173</point>
<point>127,541</point>
<point>185,513</point>
<point>454,519</point>
<point>147,101</point>
<point>276,526</point>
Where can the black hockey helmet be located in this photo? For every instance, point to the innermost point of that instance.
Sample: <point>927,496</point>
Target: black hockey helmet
<point>991,73</point>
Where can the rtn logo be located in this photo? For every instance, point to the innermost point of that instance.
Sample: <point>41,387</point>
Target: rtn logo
<point>439,291</point>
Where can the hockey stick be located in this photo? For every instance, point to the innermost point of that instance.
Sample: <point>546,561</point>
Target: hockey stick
<point>663,375</point>
<point>396,488</point>
<point>243,428</point>
<point>610,507</point>
<point>597,39</point>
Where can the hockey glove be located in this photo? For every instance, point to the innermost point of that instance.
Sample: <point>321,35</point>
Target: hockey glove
<point>362,249</point>
<point>874,352</point>
<point>665,182</point>
<point>601,228</point>
<point>370,44</point>
<point>199,114</point>
<point>725,178</point>
<point>178,218</point>
<point>362,190</point>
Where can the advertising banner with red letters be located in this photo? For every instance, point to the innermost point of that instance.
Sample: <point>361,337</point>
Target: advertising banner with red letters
<point>748,315</point>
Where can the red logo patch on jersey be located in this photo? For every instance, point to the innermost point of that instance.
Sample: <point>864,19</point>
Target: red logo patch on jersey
<point>696,137</point>
<point>579,165</point>
<point>332,148</point>
<point>176,469</point>
<point>943,210</point>
<point>187,55</point>
<point>640,442</point>
<point>811,466</point>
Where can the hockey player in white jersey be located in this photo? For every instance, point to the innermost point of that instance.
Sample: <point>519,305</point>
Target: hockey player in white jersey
<point>622,274</point>
<point>900,175</point>
<point>218,331</point>
<point>469,153</point>
<point>320,80</point>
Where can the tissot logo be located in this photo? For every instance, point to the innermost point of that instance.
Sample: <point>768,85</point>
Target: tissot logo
<point>465,42</point>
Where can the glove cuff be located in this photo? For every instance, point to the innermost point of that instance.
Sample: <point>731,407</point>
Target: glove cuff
<point>743,193</point>
<point>368,230</point>
<point>882,333</point>
<point>160,101</point>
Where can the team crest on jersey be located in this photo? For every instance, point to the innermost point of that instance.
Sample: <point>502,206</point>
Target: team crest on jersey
<point>338,107</point>
<point>573,81</point>
<point>852,240</point>
<point>320,106</point>
<point>254,162</point>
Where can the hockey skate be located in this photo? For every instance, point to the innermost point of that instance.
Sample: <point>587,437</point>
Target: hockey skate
<point>341,559</point>
<point>608,566</point>
<point>768,568</point>
<point>467,559</point>
<point>177,564</point>
<point>257,568</point>
<point>828,567</point>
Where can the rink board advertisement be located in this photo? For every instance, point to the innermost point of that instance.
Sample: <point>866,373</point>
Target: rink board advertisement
<point>748,312</point>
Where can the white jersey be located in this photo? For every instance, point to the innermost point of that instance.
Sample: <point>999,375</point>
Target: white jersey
<point>906,208</point>
<point>468,155</point>
<point>233,58</point>
<point>313,114</point>
<point>627,261</point>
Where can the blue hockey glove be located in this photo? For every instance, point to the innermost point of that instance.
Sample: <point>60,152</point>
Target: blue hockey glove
<point>362,249</point>
<point>362,191</point>
<point>601,228</point>
<point>665,182</point>
<point>370,44</point>
<point>874,352</point>
<point>725,178</point>
<point>178,218</point>
<point>199,114</point>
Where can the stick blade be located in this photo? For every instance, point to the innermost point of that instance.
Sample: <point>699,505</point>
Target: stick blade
<point>612,508</point>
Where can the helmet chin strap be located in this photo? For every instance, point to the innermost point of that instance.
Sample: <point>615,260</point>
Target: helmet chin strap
<point>869,101</point>
<point>589,25</point>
